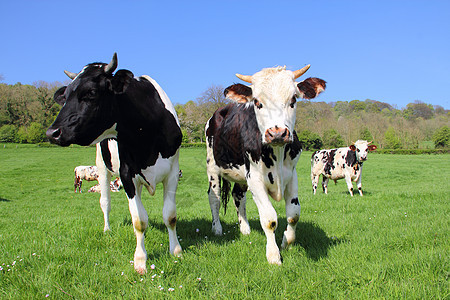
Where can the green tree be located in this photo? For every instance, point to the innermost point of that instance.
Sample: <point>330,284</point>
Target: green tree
<point>35,133</point>
<point>332,139</point>
<point>8,133</point>
<point>392,140</point>
<point>441,137</point>
<point>365,134</point>
<point>310,140</point>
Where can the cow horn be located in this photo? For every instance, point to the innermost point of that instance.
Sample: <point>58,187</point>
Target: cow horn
<point>246,78</point>
<point>70,74</point>
<point>300,72</point>
<point>369,143</point>
<point>112,65</point>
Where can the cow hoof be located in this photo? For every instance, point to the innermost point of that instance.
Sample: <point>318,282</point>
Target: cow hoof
<point>140,267</point>
<point>106,229</point>
<point>177,251</point>
<point>275,260</point>
<point>245,228</point>
<point>217,230</point>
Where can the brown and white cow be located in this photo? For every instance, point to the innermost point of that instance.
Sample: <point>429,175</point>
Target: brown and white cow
<point>88,173</point>
<point>252,142</point>
<point>340,163</point>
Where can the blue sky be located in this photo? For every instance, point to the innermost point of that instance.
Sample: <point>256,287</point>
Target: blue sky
<point>392,51</point>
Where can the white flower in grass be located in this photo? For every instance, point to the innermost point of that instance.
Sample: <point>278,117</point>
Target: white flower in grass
<point>153,276</point>
<point>197,230</point>
<point>122,273</point>
<point>199,278</point>
<point>171,289</point>
<point>1,268</point>
<point>152,267</point>
<point>47,295</point>
<point>180,286</point>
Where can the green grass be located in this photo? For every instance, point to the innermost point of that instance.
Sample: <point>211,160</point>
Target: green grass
<point>391,243</point>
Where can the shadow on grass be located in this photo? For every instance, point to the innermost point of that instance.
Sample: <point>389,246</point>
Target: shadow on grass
<point>196,232</point>
<point>4,200</point>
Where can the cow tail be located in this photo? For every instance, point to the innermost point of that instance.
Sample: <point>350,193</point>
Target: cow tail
<point>225,193</point>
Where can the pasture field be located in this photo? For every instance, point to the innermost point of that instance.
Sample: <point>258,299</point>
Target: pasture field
<point>392,243</point>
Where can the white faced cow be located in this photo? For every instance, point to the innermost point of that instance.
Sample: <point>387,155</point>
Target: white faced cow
<point>88,173</point>
<point>340,163</point>
<point>98,104</point>
<point>252,142</point>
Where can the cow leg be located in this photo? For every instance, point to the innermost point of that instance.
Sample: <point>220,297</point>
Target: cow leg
<point>325,184</point>
<point>358,184</point>
<point>267,216</point>
<point>314,181</point>
<point>240,202</point>
<point>169,210</point>
<point>214,202</point>
<point>348,180</point>
<point>292,211</point>
<point>139,218</point>
<point>105,196</point>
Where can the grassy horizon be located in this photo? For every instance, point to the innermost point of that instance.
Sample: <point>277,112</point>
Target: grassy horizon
<point>391,243</point>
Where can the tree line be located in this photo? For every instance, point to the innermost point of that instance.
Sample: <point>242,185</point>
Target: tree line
<point>27,110</point>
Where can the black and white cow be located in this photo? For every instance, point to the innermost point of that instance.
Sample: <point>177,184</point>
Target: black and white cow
<point>98,104</point>
<point>340,163</point>
<point>88,173</point>
<point>252,142</point>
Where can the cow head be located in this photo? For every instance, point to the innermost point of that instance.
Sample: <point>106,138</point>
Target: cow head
<point>88,105</point>
<point>361,149</point>
<point>273,94</point>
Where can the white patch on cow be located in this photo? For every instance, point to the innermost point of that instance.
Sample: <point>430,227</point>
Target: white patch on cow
<point>167,103</point>
<point>107,134</point>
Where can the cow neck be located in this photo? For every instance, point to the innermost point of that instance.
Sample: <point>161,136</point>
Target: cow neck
<point>145,128</point>
<point>273,159</point>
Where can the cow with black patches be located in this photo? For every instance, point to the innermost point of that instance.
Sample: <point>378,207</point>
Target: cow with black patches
<point>340,163</point>
<point>98,105</point>
<point>88,173</point>
<point>252,142</point>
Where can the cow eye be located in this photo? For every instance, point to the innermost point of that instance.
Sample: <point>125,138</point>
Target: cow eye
<point>90,94</point>
<point>257,103</point>
<point>293,101</point>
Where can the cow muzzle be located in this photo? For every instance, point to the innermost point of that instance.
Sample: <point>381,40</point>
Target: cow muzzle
<point>277,136</point>
<point>54,136</point>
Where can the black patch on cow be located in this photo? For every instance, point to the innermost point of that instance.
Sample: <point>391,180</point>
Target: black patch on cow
<point>225,192</point>
<point>295,201</point>
<point>238,193</point>
<point>267,156</point>
<point>270,177</point>
<point>293,148</point>
<point>329,161</point>
<point>106,154</point>
<point>351,158</point>
<point>236,136</point>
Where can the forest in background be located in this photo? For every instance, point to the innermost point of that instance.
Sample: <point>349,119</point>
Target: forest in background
<point>27,110</point>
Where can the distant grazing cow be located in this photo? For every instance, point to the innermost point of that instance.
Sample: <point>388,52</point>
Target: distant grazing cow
<point>114,186</point>
<point>97,105</point>
<point>340,163</point>
<point>252,142</point>
<point>89,173</point>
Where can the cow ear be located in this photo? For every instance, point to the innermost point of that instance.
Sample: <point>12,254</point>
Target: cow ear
<point>311,87</point>
<point>353,147</point>
<point>59,96</point>
<point>121,80</point>
<point>372,147</point>
<point>239,93</point>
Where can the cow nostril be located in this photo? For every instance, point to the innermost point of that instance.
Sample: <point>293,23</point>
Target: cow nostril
<point>284,133</point>
<point>54,133</point>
